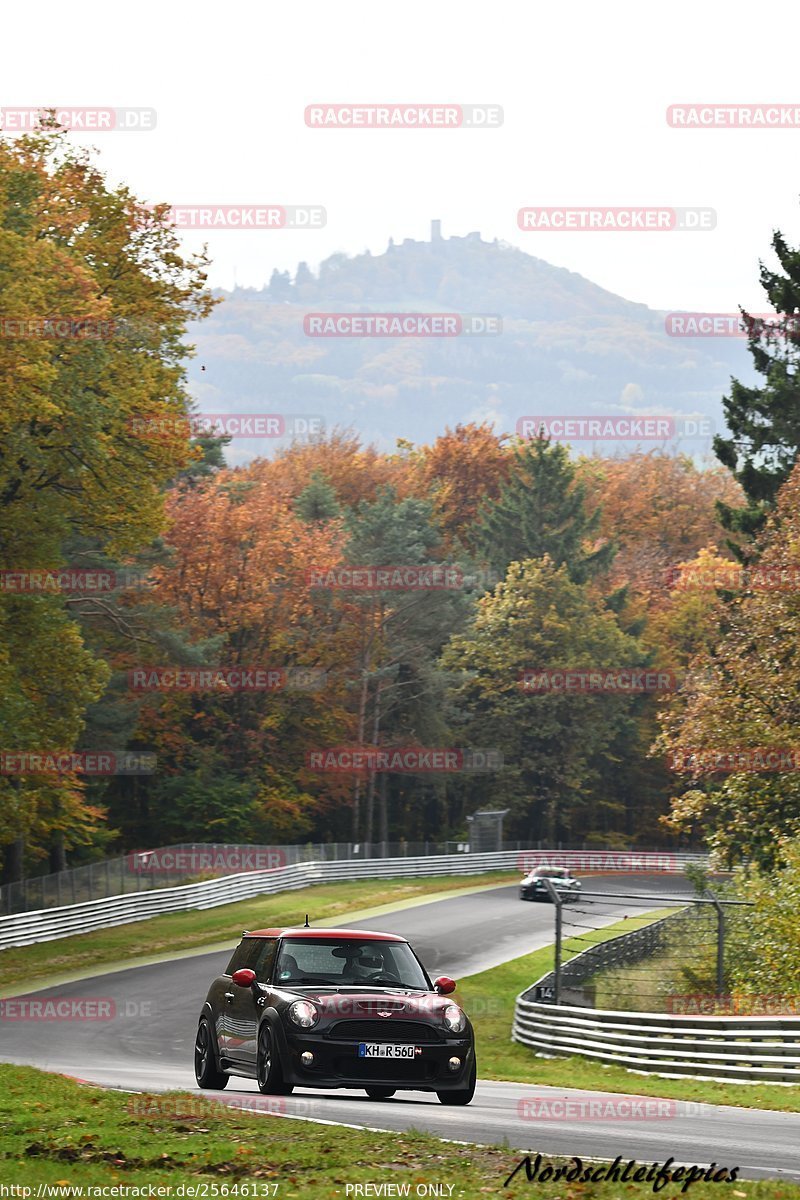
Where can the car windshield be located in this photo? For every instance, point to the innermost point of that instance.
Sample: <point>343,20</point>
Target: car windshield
<point>348,963</point>
<point>556,873</point>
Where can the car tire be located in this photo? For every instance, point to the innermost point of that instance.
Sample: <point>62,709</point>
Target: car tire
<point>380,1093</point>
<point>464,1095</point>
<point>269,1074</point>
<point>206,1071</point>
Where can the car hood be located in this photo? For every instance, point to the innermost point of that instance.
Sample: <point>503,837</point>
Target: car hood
<point>556,882</point>
<point>372,1002</point>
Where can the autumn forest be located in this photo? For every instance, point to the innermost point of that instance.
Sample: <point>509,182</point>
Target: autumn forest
<point>593,640</point>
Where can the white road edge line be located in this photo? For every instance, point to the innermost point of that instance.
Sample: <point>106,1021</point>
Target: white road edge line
<point>589,1158</point>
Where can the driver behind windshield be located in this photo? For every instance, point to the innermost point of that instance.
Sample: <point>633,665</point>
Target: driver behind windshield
<point>362,963</point>
<point>306,962</point>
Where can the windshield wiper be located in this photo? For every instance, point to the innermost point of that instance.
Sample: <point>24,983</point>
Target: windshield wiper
<point>306,982</point>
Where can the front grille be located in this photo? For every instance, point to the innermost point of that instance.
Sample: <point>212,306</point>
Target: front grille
<point>402,1069</point>
<point>388,1030</point>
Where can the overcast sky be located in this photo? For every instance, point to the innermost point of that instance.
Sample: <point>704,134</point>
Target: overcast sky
<point>584,89</point>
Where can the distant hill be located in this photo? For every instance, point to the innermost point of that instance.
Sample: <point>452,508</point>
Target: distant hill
<point>567,347</point>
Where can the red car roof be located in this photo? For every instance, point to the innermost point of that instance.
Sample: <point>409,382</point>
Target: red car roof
<point>361,935</point>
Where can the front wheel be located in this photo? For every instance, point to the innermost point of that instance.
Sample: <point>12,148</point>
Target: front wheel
<point>464,1095</point>
<point>380,1093</point>
<point>205,1062</point>
<point>268,1066</point>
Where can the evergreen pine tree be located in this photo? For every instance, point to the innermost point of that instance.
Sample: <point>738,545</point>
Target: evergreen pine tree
<point>317,502</point>
<point>540,511</point>
<point>764,422</point>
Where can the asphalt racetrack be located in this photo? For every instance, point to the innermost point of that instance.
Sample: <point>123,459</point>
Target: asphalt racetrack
<point>148,1046</point>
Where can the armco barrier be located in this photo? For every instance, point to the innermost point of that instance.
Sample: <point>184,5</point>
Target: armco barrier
<point>746,1049</point>
<point>189,862</point>
<point>22,929</point>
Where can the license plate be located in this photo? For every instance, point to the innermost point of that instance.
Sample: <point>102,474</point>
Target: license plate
<point>386,1050</point>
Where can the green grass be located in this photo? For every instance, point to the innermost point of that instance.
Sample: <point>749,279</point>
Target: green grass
<point>489,999</point>
<point>183,931</point>
<point>58,1132</point>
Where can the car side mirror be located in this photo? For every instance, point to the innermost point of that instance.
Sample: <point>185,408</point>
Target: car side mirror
<point>244,977</point>
<point>444,985</point>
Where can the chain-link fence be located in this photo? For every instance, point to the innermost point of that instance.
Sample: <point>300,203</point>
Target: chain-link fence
<point>143,870</point>
<point>675,964</point>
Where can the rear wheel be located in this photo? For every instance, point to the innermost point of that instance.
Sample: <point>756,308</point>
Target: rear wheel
<point>268,1066</point>
<point>206,1071</point>
<point>380,1093</point>
<point>464,1095</point>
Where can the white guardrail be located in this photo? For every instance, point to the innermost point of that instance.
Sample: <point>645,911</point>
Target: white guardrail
<point>48,924</point>
<point>746,1049</point>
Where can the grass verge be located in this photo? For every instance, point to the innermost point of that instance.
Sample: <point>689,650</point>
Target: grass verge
<point>183,931</point>
<point>56,1132</point>
<point>489,999</point>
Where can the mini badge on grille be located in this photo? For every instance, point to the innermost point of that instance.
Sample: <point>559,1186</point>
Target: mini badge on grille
<point>384,1014</point>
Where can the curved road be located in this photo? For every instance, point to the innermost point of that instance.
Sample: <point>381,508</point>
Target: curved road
<point>148,1046</point>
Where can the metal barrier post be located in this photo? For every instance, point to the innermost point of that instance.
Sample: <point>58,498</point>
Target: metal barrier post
<point>557,901</point>
<point>720,943</point>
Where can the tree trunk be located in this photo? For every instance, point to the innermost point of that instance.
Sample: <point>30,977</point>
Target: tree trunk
<point>58,854</point>
<point>362,712</point>
<point>383,810</point>
<point>376,726</point>
<point>13,861</point>
<point>549,822</point>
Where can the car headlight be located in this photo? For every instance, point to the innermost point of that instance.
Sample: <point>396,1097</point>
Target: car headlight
<point>303,1013</point>
<point>454,1018</point>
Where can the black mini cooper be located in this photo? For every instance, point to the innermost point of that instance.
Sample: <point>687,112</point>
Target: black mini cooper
<point>334,1008</point>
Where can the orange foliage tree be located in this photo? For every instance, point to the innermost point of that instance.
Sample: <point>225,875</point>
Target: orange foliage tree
<point>659,509</point>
